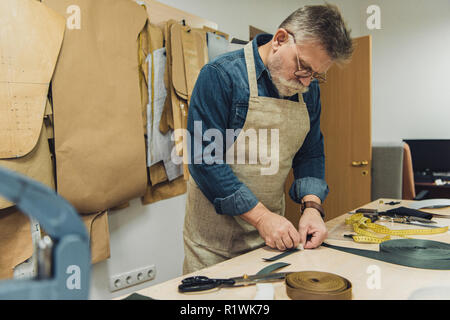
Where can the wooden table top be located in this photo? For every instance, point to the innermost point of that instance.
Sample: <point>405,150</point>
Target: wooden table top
<point>396,282</point>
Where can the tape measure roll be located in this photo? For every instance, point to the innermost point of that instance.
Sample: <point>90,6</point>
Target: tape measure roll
<point>316,285</point>
<point>368,232</point>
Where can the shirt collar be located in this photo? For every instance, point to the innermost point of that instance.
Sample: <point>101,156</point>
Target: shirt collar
<point>259,40</point>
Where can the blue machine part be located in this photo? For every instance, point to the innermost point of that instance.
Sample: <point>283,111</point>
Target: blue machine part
<point>70,256</point>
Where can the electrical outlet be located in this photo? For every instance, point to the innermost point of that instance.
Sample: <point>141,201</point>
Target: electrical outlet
<point>131,278</point>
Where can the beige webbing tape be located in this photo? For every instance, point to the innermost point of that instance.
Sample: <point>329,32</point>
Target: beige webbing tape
<point>315,285</point>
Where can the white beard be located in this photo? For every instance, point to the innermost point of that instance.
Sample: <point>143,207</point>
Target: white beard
<point>286,88</point>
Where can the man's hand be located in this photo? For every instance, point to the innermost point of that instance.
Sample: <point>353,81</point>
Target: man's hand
<point>311,223</point>
<point>277,231</point>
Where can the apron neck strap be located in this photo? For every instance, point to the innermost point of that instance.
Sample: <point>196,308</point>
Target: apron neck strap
<point>251,71</point>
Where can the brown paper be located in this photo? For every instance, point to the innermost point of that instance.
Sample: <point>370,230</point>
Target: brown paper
<point>17,245</point>
<point>37,165</point>
<point>167,118</point>
<point>195,55</point>
<point>99,137</point>
<point>253,31</point>
<point>144,49</point>
<point>30,42</point>
<point>178,90</point>
<point>188,54</point>
<point>157,173</point>
<point>98,229</point>
<point>24,81</point>
<point>164,190</point>
<point>48,120</point>
<point>219,33</point>
<point>15,239</point>
<point>150,39</point>
<point>178,65</point>
<point>159,187</point>
<point>156,37</point>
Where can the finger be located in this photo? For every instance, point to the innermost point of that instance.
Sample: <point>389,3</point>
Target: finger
<point>303,231</point>
<point>280,245</point>
<point>271,244</point>
<point>288,243</point>
<point>295,236</point>
<point>316,240</point>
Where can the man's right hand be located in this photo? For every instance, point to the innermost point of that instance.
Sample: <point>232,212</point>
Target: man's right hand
<point>277,231</point>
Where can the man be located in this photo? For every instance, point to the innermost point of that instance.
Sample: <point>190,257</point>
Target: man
<point>271,84</point>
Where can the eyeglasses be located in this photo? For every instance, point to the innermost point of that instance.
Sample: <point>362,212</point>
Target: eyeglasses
<point>306,72</point>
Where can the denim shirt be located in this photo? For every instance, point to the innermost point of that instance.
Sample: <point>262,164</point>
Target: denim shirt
<point>220,101</point>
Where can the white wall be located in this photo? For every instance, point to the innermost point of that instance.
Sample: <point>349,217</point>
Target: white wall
<point>411,64</point>
<point>411,55</point>
<point>411,99</point>
<point>141,236</point>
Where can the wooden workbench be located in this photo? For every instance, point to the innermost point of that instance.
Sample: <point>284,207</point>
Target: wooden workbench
<point>396,282</point>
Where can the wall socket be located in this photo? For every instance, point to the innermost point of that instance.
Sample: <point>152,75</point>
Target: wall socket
<point>131,278</point>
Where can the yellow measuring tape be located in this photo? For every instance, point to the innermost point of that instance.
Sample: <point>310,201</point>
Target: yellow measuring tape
<point>368,232</point>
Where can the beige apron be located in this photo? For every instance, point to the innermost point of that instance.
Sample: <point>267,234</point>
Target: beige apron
<point>210,238</point>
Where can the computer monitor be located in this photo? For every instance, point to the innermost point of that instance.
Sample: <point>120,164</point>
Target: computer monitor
<point>430,155</point>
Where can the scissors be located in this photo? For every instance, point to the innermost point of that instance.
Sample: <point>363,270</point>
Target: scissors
<point>201,283</point>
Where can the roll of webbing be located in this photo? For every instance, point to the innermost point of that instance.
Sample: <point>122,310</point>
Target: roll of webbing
<point>415,253</point>
<point>316,285</point>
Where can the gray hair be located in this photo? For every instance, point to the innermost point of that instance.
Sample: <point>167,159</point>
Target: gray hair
<point>322,23</point>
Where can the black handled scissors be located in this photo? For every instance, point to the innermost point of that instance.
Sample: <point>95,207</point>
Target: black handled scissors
<point>201,283</point>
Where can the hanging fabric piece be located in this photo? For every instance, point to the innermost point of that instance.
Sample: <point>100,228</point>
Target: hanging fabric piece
<point>187,53</point>
<point>159,187</point>
<point>99,136</point>
<point>159,145</point>
<point>179,94</point>
<point>167,119</point>
<point>164,176</point>
<point>195,55</point>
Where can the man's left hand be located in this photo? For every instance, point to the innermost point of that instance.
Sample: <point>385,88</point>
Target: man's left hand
<point>311,223</point>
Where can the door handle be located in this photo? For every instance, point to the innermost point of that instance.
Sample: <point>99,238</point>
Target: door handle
<point>360,163</point>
